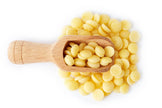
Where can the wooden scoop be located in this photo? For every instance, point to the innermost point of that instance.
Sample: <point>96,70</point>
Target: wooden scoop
<point>23,52</point>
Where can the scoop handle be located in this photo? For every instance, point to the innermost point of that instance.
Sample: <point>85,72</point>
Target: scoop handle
<point>23,52</point>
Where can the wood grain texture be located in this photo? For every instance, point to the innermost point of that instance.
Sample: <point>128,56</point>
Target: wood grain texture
<point>22,52</point>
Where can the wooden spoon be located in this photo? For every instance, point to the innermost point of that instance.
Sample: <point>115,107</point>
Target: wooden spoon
<point>23,52</point>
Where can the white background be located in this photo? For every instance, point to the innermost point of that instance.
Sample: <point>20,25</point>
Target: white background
<point>40,86</point>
